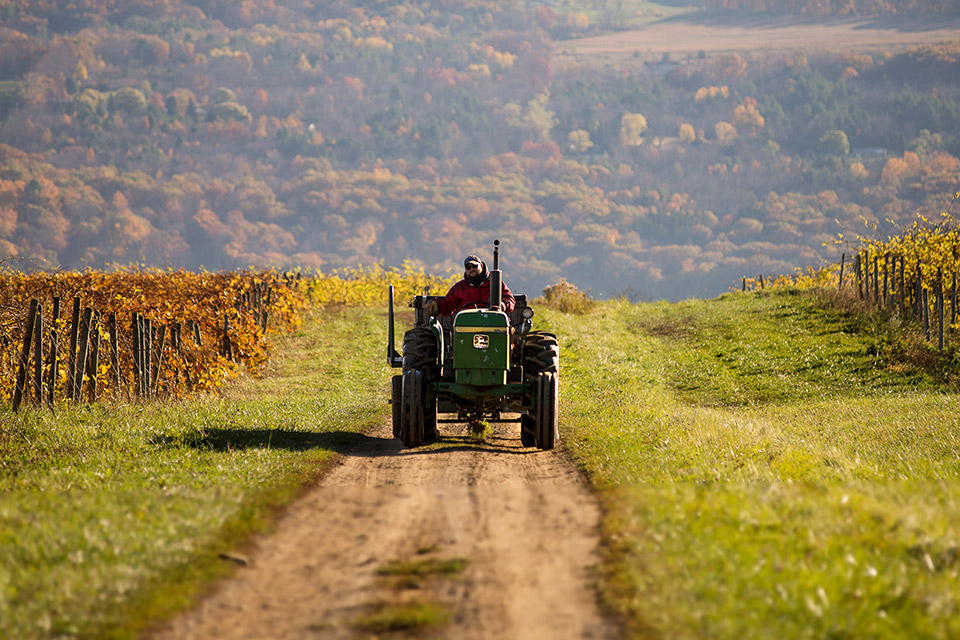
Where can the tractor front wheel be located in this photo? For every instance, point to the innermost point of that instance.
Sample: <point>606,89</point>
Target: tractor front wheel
<point>528,431</point>
<point>411,408</point>
<point>430,419</point>
<point>546,418</point>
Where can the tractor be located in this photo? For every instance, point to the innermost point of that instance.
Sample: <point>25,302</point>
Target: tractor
<point>481,365</point>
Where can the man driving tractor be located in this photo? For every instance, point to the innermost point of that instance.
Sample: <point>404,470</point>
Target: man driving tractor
<point>473,291</point>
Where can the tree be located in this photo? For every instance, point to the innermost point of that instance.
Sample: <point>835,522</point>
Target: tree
<point>128,100</point>
<point>579,140</point>
<point>632,126</point>
<point>231,111</point>
<point>729,65</point>
<point>726,133</point>
<point>833,143</point>
<point>746,116</point>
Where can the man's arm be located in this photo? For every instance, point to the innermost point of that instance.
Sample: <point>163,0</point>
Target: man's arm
<point>509,302</point>
<point>450,302</point>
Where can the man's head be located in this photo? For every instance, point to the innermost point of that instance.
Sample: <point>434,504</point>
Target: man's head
<point>473,269</point>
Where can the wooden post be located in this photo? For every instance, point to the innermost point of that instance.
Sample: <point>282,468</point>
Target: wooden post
<point>926,314</point>
<point>761,282</point>
<point>918,296</point>
<point>953,301</point>
<point>74,331</point>
<point>743,284</point>
<point>93,362</point>
<point>38,355</point>
<point>876,280</point>
<point>161,339</point>
<point>82,353</point>
<point>175,329</point>
<point>858,271</point>
<point>54,360</point>
<point>940,308</point>
<point>136,345</point>
<point>114,353</point>
<point>903,299</point>
<point>843,257</point>
<point>226,346</point>
<point>866,275</point>
<point>148,355</point>
<point>886,274</point>
<point>25,355</point>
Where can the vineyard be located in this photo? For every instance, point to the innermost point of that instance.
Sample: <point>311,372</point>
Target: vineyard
<point>142,334</point>
<point>912,276</point>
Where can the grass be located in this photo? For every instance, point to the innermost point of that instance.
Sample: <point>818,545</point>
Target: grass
<point>424,567</point>
<point>768,466</point>
<point>403,617</point>
<point>113,516</point>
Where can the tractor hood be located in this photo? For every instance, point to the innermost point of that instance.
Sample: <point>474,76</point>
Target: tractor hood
<point>481,347</point>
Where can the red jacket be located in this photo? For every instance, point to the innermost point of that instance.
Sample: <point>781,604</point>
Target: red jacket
<point>464,295</point>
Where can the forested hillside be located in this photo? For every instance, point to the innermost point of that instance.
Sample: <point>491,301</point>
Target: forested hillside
<point>324,134</point>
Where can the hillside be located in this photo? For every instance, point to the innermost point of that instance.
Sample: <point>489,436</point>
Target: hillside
<point>327,134</point>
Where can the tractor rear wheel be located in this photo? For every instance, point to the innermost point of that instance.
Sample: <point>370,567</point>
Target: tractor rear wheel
<point>420,350</point>
<point>411,408</point>
<point>547,408</point>
<point>541,353</point>
<point>396,401</point>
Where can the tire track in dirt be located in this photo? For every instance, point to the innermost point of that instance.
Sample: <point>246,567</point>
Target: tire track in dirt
<point>522,519</point>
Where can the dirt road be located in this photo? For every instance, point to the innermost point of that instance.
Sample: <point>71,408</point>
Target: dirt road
<point>497,539</point>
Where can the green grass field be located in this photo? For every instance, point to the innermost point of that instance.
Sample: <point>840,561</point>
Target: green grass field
<point>111,516</point>
<point>768,466</point>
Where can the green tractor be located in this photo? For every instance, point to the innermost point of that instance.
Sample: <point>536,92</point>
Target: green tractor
<point>481,365</point>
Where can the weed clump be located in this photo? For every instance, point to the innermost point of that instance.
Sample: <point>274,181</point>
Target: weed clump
<point>564,296</point>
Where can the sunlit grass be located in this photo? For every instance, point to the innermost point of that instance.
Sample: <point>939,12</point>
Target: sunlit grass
<point>768,468</point>
<point>111,515</point>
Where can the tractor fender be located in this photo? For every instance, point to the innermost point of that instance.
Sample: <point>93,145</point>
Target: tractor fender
<point>438,334</point>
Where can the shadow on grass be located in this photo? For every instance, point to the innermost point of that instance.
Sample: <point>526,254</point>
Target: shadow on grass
<point>342,442</point>
<point>239,439</point>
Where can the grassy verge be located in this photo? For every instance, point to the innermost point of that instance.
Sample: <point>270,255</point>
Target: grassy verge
<point>113,516</point>
<point>769,467</point>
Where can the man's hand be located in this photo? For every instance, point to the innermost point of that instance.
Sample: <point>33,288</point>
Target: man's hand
<point>432,308</point>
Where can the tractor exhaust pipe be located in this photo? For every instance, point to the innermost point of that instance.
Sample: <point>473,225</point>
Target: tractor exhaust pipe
<point>496,287</point>
<point>394,359</point>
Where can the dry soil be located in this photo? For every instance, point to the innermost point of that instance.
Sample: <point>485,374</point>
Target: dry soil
<point>521,520</point>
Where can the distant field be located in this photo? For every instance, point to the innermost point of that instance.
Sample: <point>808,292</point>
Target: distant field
<point>713,33</point>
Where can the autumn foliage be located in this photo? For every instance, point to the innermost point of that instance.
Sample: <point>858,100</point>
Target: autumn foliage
<point>324,134</point>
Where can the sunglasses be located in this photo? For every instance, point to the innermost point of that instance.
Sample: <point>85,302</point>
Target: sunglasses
<point>472,265</point>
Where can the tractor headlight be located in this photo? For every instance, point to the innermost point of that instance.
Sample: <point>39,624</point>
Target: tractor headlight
<point>527,313</point>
